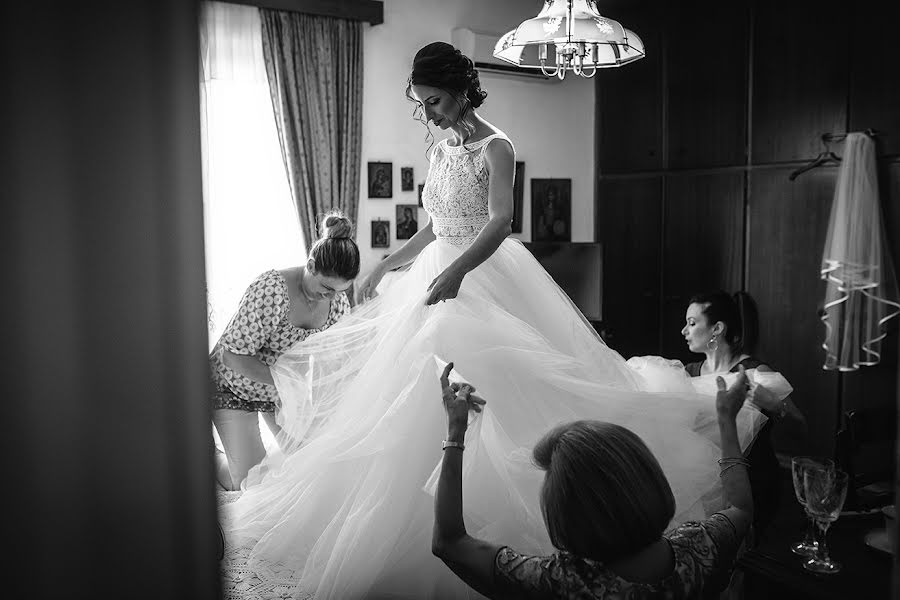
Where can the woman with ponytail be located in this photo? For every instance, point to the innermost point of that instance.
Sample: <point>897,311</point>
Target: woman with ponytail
<point>279,308</point>
<point>725,328</point>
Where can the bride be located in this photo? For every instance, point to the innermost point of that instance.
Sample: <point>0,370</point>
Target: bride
<point>346,507</point>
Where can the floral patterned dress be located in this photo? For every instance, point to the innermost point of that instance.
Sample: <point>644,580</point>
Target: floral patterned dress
<point>704,554</point>
<point>261,327</point>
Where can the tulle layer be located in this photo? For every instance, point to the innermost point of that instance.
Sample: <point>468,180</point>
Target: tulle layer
<point>348,503</point>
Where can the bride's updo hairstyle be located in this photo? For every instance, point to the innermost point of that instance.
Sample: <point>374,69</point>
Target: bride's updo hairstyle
<point>604,495</point>
<point>442,66</point>
<point>335,254</point>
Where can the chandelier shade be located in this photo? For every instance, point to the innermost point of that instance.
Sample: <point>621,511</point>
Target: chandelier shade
<point>569,35</point>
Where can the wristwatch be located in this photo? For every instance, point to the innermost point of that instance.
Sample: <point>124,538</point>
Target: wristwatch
<point>446,444</point>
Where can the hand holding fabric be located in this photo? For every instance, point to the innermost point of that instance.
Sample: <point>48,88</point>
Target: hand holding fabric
<point>445,286</point>
<point>729,401</point>
<point>366,289</point>
<point>458,400</point>
<point>764,398</point>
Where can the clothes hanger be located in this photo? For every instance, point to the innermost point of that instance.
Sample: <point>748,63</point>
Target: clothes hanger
<point>824,157</point>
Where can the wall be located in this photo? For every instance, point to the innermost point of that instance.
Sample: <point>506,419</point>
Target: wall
<point>695,147</point>
<point>550,123</point>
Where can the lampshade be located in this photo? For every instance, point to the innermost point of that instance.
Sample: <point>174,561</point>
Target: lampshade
<point>569,35</point>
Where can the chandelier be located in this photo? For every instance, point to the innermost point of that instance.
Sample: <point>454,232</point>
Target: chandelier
<point>579,38</point>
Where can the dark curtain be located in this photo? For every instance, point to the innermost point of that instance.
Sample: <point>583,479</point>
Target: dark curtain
<point>107,421</point>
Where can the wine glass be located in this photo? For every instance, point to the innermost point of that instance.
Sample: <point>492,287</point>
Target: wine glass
<point>808,545</point>
<point>825,491</point>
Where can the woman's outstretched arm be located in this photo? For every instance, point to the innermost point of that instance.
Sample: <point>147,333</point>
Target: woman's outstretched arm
<point>471,559</point>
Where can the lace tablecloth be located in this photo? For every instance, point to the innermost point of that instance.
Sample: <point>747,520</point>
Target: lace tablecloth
<point>240,582</point>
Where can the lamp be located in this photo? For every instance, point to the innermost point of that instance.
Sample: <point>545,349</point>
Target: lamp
<point>580,37</point>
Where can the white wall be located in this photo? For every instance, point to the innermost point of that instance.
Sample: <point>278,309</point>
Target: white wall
<point>551,124</point>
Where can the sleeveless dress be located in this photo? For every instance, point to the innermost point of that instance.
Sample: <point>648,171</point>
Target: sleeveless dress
<point>346,511</point>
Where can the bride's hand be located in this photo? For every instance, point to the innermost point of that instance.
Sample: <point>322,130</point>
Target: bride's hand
<point>366,289</point>
<point>445,286</point>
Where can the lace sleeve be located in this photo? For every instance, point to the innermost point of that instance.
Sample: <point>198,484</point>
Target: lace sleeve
<point>704,554</point>
<point>521,576</point>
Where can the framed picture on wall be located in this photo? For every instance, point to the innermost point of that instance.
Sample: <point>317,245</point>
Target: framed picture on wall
<point>381,182</point>
<point>407,221</point>
<point>406,179</point>
<point>551,210</point>
<point>518,195</point>
<point>381,234</point>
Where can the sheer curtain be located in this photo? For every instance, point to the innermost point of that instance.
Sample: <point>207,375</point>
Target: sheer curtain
<point>251,224</point>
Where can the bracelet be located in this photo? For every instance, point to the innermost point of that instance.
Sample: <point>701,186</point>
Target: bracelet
<point>445,444</point>
<point>736,460</point>
<point>722,472</point>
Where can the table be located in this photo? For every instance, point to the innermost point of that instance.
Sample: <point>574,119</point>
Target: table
<point>771,570</point>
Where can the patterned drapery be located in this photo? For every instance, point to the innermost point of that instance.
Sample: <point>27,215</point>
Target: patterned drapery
<point>314,66</point>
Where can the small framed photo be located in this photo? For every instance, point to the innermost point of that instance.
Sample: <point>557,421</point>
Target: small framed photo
<point>381,234</point>
<point>518,197</point>
<point>407,222</point>
<point>551,210</point>
<point>381,182</point>
<point>421,189</point>
<point>406,179</point>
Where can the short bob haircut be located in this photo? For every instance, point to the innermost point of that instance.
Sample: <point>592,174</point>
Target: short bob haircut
<point>604,495</point>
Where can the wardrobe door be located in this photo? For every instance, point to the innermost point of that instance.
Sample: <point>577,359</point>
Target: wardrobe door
<point>702,246</point>
<point>628,226</point>
<point>799,79</point>
<point>874,82</point>
<point>706,77</point>
<point>876,386</point>
<point>788,222</point>
<point>629,107</point>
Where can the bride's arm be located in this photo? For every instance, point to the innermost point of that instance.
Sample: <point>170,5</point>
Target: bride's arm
<point>410,250</point>
<point>500,163</point>
<point>407,253</point>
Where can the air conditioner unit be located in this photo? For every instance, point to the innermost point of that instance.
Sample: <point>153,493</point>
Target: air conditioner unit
<point>479,46</point>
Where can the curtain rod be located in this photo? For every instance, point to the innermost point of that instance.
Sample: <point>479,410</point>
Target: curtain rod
<point>371,11</point>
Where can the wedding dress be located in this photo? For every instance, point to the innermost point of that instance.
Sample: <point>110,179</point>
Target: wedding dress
<point>345,511</point>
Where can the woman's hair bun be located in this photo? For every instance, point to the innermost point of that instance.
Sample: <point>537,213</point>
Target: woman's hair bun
<point>336,226</point>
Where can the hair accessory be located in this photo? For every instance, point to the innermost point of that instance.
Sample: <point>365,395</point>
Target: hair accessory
<point>445,444</point>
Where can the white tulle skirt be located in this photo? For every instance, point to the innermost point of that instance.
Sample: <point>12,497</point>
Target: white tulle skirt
<point>347,506</point>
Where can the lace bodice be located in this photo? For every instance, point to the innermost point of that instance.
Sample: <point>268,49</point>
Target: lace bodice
<point>456,190</point>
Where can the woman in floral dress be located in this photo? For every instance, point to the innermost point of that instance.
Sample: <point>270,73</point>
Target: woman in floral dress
<point>279,309</point>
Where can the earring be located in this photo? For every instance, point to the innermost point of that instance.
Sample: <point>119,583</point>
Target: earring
<point>710,343</point>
